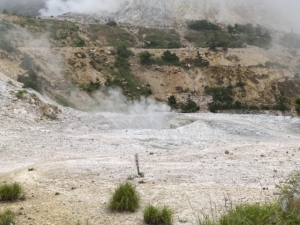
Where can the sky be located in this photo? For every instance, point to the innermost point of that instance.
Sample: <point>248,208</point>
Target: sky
<point>288,10</point>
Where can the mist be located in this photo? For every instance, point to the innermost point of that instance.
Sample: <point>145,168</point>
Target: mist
<point>58,7</point>
<point>112,100</point>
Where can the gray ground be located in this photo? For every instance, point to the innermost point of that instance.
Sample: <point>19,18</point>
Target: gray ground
<point>85,156</point>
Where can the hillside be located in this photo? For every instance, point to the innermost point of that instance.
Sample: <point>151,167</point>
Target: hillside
<point>70,61</point>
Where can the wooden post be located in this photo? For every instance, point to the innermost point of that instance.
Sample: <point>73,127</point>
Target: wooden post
<point>137,163</point>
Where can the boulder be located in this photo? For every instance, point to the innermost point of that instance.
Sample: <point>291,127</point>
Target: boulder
<point>291,202</point>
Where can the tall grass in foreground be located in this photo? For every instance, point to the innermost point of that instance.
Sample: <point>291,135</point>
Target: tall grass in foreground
<point>254,214</point>
<point>11,192</point>
<point>154,215</point>
<point>7,217</point>
<point>125,198</point>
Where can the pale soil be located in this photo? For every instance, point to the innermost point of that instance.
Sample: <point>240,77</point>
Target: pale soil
<point>84,157</point>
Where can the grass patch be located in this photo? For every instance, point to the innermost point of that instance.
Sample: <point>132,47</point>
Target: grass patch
<point>207,38</point>
<point>11,192</point>
<point>20,94</point>
<point>154,215</point>
<point>7,217</point>
<point>125,198</point>
<point>91,87</point>
<point>253,214</point>
<point>159,38</point>
<point>114,35</point>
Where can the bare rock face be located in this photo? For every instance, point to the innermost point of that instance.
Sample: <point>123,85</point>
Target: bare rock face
<point>153,12</point>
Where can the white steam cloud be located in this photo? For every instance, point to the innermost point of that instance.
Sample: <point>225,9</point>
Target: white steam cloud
<point>58,7</point>
<point>112,100</point>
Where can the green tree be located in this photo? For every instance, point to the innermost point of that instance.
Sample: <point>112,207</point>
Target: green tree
<point>297,101</point>
<point>172,101</point>
<point>124,52</point>
<point>145,58</point>
<point>170,57</point>
<point>190,106</point>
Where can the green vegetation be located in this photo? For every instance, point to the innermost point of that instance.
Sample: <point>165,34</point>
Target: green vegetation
<point>170,58</point>
<point>123,77</point>
<point>254,214</point>
<point>159,38</point>
<point>124,52</point>
<point>64,102</point>
<point>5,12</point>
<point>206,34</point>
<point>161,216</point>
<point>251,35</point>
<point>211,39</point>
<point>297,76</point>
<point>222,98</point>
<point>291,40</point>
<point>189,106</point>
<point>297,101</point>
<point>20,94</point>
<point>281,102</point>
<point>125,198</point>
<point>30,81</point>
<point>90,87</point>
<point>172,102</point>
<point>115,36</point>
<point>7,217</point>
<point>61,33</point>
<point>146,58</point>
<point>200,62</point>
<point>202,25</point>
<point>11,192</point>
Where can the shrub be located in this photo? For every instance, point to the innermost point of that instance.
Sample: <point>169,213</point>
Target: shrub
<point>124,52</point>
<point>297,101</point>
<point>145,58</point>
<point>240,84</point>
<point>200,62</point>
<point>281,102</point>
<point>125,198</point>
<point>297,75</point>
<point>11,192</point>
<point>172,101</point>
<point>91,86</point>
<point>5,12</point>
<point>20,94</point>
<point>202,25</point>
<point>154,215</point>
<point>190,106</point>
<point>265,107</point>
<point>170,57</point>
<point>7,217</point>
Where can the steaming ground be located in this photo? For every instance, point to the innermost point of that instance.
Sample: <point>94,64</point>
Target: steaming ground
<point>85,156</point>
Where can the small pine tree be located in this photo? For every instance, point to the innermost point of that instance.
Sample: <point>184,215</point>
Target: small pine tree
<point>190,106</point>
<point>172,101</point>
